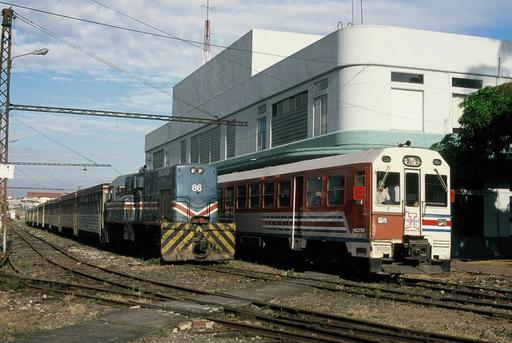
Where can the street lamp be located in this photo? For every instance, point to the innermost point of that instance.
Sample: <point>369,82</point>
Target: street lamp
<point>37,52</point>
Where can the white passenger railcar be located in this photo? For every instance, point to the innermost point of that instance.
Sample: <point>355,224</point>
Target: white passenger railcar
<point>387,208</point>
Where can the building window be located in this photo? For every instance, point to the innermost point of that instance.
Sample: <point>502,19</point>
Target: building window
<point>205,147</point>
<point>254,195</point>
<point>320,115</point>
<point>284,194</point>
<point>262,108</point>
<point>290,119</point>
<point>268,194</point>
<point>230,141</point>
<point>315,191</point>
<point>406,77</point>
<point>466,83</point>
<point>261,136</point>
<point>184,151</point>
<point>158,159</point>
<point>321,85</point>
<point>335,190</point>
<point>241,196</point>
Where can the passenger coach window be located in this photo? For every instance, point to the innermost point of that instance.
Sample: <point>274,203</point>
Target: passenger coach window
<point>388,188</point>
<point>254,196</point>
<point>241,197</point>
<point>220,198</point>
<point>315,191</point>
<point>336,190</point>
<point>284,194</point>
<point>268,194</point>
<point>230,197</point>
<point>435,193</point>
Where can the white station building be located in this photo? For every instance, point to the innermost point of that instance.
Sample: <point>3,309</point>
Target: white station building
<point>306,96</point>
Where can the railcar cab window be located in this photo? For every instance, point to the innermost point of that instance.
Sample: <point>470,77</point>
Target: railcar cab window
<point>436,193</point>
<point>335,190</point>
<point>241,196</point>
<point>284,193</point>
<point>268,194</point>
<point>254,195</point>
<point>315,191</point>
<point>388,188</point>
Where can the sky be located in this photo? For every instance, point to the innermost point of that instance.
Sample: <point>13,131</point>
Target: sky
<point>68,77</point>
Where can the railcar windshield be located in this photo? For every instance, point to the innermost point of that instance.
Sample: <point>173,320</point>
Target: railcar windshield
<point>388,188</point>
<point>435,192</point>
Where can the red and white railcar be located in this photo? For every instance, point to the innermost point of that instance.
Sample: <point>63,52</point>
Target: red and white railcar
<point>388,208</point>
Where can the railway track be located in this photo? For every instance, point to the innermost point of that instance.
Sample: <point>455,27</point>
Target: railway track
<point>276,322</point>
<point>494,305</point>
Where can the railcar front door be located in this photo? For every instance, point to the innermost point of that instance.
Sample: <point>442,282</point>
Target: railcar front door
<point>412,208</point>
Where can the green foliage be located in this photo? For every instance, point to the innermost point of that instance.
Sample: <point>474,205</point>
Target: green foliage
<point>485,133</point>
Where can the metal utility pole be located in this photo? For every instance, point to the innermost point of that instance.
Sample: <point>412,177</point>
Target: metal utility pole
<point>5,79</point>
<point>207,34</point>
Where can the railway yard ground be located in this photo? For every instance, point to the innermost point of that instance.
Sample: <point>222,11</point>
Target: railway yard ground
<point>58,289</point>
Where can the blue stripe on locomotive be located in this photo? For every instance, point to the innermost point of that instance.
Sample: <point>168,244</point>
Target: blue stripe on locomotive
<point>196,191</point>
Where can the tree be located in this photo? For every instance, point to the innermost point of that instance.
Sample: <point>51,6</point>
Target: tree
<point>485,135</point>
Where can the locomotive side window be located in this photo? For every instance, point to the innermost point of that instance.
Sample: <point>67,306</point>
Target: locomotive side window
<point>241,196</point>
<point>315,191</point>
<point>284,194</point>
<point>435,193</point>
<point>254,195</point>
<point>268,194</point>
<point>388,188</point>
<point>335,190</point>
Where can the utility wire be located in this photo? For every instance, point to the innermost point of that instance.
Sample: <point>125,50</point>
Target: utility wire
<point>106,62</point>
<point>164,35</point>
<point>200,47</point>
<point>62,144</point>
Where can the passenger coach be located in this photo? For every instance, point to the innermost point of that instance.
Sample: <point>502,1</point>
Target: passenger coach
<point>387,208</point>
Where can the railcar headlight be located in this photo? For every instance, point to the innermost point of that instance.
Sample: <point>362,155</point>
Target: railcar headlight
<point>200,170</point>
<point>193,170</point>
<point>382,220</point>
<point>437,162</point>
<point>412,161</point>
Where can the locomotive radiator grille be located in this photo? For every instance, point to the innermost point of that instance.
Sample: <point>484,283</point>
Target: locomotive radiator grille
<point>186,241</point>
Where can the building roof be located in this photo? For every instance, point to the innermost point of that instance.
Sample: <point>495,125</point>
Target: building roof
<point>52,195</point>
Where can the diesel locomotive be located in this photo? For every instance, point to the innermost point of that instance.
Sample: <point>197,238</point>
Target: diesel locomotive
<point>173,208</point>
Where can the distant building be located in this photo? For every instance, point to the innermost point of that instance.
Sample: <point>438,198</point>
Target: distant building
<point>18,207</point>
<point>306,96</point>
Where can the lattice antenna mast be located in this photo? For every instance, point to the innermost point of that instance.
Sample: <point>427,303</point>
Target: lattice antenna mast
<point>5,79</point>
<point>207,34</point>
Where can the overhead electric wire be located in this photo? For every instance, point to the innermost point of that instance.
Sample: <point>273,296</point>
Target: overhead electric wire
<point>108,63</point>
<point>63,145</point>
<point>165,35</point>
<point>90,54</point>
